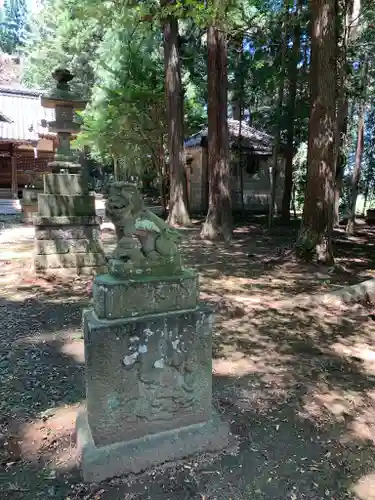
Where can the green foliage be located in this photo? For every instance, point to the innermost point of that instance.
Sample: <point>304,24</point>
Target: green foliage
<point>13,25</point>
<point>126,117</point>
<point>115,49</point>
<point>59,37</point>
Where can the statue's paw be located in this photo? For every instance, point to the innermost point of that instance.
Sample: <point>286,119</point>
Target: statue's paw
<point>153,256</point>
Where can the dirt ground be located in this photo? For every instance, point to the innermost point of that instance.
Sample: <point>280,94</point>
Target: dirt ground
<point>295,382</point>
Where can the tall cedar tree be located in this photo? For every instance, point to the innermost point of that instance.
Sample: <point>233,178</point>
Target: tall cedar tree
<point>315,237</point>
<point>278,115</point>
<point>291,111</point>
<point>356,175</point>
<point>218,224</point>
<point>178,212</point>
<point>347,26</point>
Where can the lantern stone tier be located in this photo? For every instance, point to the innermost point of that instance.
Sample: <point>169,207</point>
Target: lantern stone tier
<point>67,231</point>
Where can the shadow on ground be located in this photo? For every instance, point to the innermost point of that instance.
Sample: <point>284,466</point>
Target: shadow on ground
<point>295,385</point>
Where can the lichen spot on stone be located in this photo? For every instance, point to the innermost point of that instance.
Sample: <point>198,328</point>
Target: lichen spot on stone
<point>130,360</point>
<point>113,402</point>
<point>159,363</point>
<point>142,349</point>
<point>148,332</point>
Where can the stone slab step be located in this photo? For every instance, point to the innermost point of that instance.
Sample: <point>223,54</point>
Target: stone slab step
<point>10,207</point>
<point>5,193</point>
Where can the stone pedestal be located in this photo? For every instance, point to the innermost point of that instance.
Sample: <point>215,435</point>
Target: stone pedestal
<point>148,376</point>
<point>30,203</point>
<point>67,231</point>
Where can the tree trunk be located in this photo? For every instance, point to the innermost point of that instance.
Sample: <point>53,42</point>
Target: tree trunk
<point>315,237</point>
<point>342,128</point>
<point>358,154</point>
<point>178,213</point>
<point>365,198</point>
<point>162,175</point>
<point>279,109</point>
<point>293,74</point>
<point>356,173</point>
<point>343,38</point>
<point>237,89</point>
<point>218,224</point>
<point>115,169</point>
<point>349,31</point>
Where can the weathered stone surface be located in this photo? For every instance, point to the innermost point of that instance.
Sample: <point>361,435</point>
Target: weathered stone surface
<point>129,270</point>
<point>99,463</point>
<point>28,212</point>
<point>68,233</point>
<point>30,196</point>
<point>64,220</point>
<point>145,243</point>
<point>68,184</point>
<point>47,247</point>
<point>68,260</point>
<point>114,298</point>
<point>71,272</point>
<point>147,375</point>
<point>53,205</point>
<point>60,164</point>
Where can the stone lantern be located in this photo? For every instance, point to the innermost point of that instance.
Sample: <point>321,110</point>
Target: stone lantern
<point>67,231</point>
<point>64,102</point>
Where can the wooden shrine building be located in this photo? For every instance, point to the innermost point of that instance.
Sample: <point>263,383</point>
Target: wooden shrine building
<point>26,146</point>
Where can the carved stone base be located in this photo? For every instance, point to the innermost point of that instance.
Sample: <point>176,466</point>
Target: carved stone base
<point>119,298</point>
<point>71,243</point>
<point>99,463</point>
<point>147,375</point>
<point>131,270</point>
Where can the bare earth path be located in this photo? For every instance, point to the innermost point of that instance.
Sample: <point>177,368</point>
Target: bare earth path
<point>296,384</point>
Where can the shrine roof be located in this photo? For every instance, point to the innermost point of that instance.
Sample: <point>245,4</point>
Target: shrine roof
<point>22,117</point>
<point>251,138</point>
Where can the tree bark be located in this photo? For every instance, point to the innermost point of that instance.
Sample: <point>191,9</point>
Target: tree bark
<point>350,10</point>
<point>342,128</point>
<point>314,241</point>
<point>293,76</point>
<point>356,176</point>
<point>346,30</point>
<point>356,172</point>
<point>218,224</point>
<point>279,110</point>
<point>178,212</point>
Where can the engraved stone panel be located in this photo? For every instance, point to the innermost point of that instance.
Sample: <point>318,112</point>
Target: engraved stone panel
<point>82,245</point>
<point>68,260</point>
<point>114,298</point>
<point>68,184</point>
<point>67,232</point>
<point>54,205</point>
<point>147,375</point>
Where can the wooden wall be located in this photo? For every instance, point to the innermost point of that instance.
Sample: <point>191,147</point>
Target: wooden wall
<point>25,161</point>
<point>256,183</point>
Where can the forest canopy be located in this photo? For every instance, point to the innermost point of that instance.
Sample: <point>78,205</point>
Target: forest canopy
<point>156,72</point>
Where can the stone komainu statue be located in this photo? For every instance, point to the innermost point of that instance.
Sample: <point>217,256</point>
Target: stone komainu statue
<point>142,237</point>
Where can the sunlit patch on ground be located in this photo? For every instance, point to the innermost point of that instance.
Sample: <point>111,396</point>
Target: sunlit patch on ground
<point>51,436</point>
<point>364,489</point>
<point>293,377</point>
